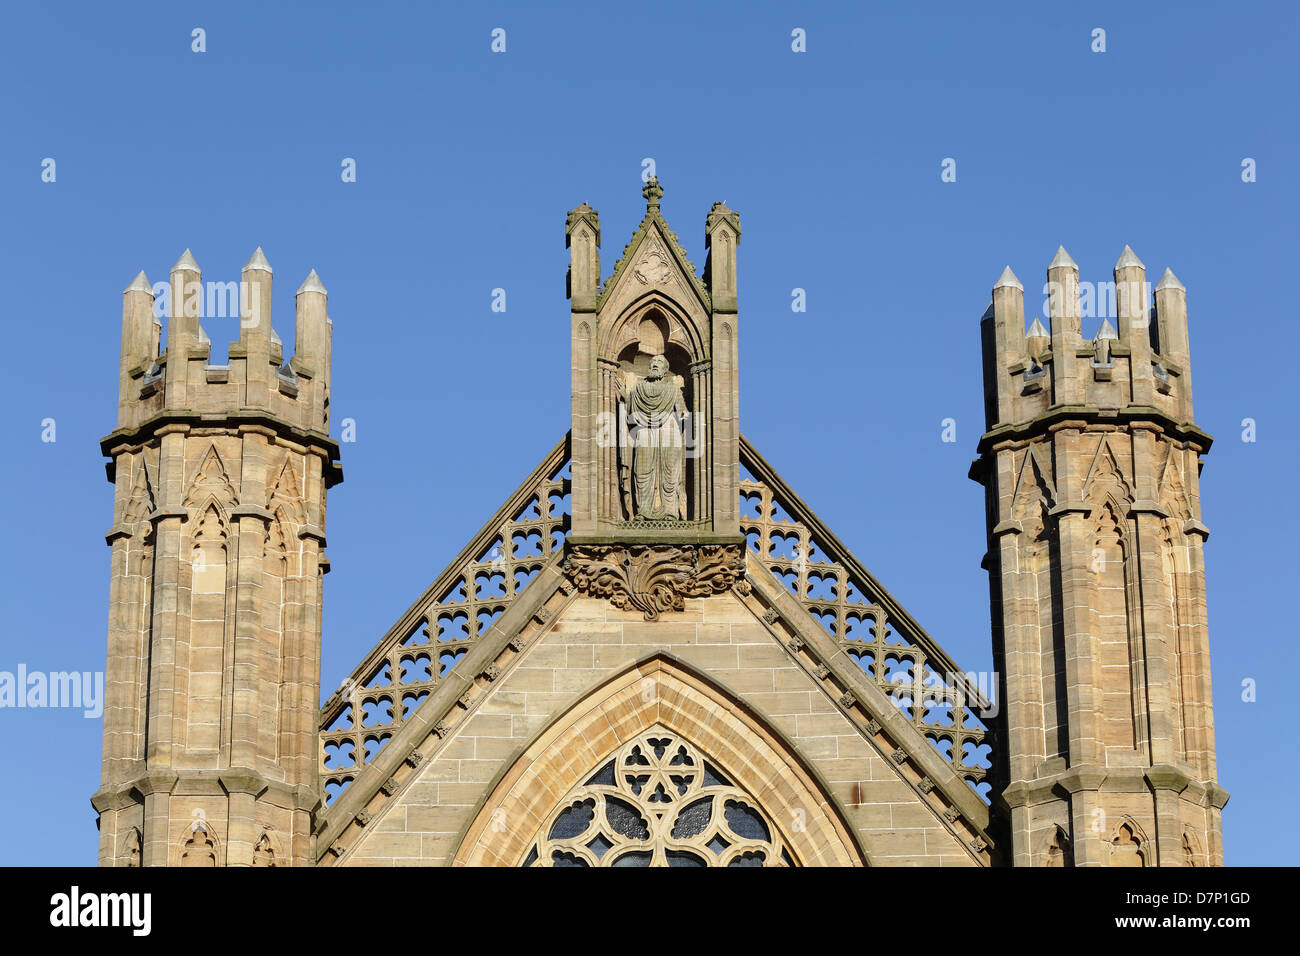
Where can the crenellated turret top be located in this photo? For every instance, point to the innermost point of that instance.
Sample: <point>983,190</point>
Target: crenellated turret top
<point>180,382</point>
<point>1137,364</point>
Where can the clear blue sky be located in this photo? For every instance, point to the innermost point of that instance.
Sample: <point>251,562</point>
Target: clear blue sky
<point>466,164</point>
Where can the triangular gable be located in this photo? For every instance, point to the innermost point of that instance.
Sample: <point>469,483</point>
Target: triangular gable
<point>211,480</point>
<point>652,248</point>
<point>1173,491</point>
<point>1032,482</point>
<point>815,597</point>
<point>1104,471</point>
<point>142,499</point>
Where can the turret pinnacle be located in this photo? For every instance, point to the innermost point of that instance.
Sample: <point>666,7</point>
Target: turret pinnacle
<point>1008,278</point>
<point>1128,258</point>
<point>1107,331</point>
<point>1037,341</point>
<point>186,261</point>
<point>141,284</point>
<point>1062,258</point>
<point>311,284</point>
<point>1167,281</point>
<point>257,261</point>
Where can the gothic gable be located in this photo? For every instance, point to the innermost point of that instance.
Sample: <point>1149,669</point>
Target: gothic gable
<point>502,645</point>
<point>653,259</point>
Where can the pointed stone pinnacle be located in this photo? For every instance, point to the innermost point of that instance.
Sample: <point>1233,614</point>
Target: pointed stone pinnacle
<point>1128,258</point>
<point>186,261</point>
<point>257,261</point>
<point>203,336</point>
<point>141,284</point>
<point>1062,260</point>
<point>311,284</point>
<point>1036,330</point>
<point>1167,281</point>
<point>1008,278</point>
<point>275,339</point>
<point>1107,331</point>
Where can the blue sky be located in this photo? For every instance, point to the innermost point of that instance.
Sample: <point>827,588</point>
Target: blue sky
<point>466,164</point>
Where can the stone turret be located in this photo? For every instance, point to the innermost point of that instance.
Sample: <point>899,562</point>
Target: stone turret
<point>218,536</point>
<point>1091,464</point>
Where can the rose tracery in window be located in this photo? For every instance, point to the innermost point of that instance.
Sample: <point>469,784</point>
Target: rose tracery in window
<point>658,802</point>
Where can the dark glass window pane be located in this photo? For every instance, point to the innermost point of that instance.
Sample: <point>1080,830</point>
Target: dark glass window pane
<point>573,821</point>
<point>682,858</point>
<point>566,859</point>
<point>625,819</point>
<point>693,819</point>
<point>712,778</point>
<point>745,822</point>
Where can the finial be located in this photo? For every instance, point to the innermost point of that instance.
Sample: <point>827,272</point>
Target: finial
<point>1107,331</point>
<point>1167,281</point>
<point>1008,278</point>
<point>141,284</point>
<point>1128,258</point>
<point>1036,330</point>
<point>652,192</point>
<point>311,284</point>
<point>1062,259</point>
<point>186,261</point>
<point>257,261</point>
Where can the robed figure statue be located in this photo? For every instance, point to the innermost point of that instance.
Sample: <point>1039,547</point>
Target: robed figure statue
<point>651,446</point>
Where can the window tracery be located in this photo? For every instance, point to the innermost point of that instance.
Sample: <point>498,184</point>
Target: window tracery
<point>658,802</point>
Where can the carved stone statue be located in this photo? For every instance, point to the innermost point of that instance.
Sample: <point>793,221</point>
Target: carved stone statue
<point>651,448</point>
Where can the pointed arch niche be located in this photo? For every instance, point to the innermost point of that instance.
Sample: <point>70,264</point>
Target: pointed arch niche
<point>765,805</point>
<point>654,325</point>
